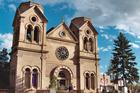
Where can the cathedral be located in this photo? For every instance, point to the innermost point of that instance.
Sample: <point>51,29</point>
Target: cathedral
<point>63,57</point>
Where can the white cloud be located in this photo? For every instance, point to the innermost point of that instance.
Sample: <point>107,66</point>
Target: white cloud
<point>122,27</point>
<point>108,37</point>
<point>121,13</point>
<point>137,41</point>
<point>52,2</point>
<point>6,40</point>
<point>105,49</point>
<point>12,7</point>
<point>134,45</point>
<point>105,36</point>
<point>102,31</point>
<point>101,27</point>
<point>101,73</point>
<point>124,14</point>
<point>101,67</point>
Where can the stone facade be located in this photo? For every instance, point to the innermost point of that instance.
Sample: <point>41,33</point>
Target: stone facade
<point>67,53</point>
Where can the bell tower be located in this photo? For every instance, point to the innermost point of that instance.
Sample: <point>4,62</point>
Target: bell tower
<point>29,25</point>
<point>28,49</point>
<point>88,69</point>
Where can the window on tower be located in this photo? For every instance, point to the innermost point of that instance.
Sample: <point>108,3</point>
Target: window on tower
<point>87,77</point>
<point>31,78</point>
<point>90,45</point>
<point>35,78</point>
<point>92,81</point>
<point>85,43</point>
<point>36,34</point>
<point>29,33</point>
<point>27,78</point>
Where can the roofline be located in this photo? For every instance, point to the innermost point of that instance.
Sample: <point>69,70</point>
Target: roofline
<point>75,38</point>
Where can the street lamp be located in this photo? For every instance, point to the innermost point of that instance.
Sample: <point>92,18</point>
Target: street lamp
<point>104,88</point>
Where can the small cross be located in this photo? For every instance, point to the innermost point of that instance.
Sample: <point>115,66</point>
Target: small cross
<point>62,19</point>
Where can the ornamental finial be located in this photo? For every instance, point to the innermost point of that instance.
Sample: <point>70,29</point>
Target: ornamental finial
<point>63,19</point>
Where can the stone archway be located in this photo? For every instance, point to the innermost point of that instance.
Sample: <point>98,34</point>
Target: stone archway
<point>64,76</point>
<point>63,79</point>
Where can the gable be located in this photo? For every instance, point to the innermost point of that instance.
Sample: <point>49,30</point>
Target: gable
<point>88,26</point>
<point>34,10</point>
<point>62,32</point>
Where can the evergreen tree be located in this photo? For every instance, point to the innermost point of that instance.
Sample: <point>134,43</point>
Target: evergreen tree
<point>123,65</point>
<point>53,82</point>
<point>4,55</point>
<point>4,69</point>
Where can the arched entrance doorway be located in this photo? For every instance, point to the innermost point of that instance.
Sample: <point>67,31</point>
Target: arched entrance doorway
<point>64,77</point>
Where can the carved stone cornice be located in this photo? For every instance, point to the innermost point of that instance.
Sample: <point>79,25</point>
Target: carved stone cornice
<point>90,58</point>
<point>32,50</point>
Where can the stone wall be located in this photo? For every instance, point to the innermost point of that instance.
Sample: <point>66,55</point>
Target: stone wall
<point>4,91</point>
<point>45,91</point>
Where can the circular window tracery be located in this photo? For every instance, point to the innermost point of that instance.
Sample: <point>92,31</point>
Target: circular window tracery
<point>62,53</point>
<point>34,19</point>
<point>88,32</point>
<point>62,34</point>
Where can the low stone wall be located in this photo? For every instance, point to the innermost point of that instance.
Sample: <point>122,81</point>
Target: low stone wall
<point>43,91</point>
<point>4,91</point>
<point>47,91</point>
<point>74,91</point>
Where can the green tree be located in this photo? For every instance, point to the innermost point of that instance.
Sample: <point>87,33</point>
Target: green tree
<point>4,55</point>
<point>123,65</point>
<point>53,82</point>
<point>4,69</point>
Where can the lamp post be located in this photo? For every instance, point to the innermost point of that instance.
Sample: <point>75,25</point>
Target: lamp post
<point>104,88</point>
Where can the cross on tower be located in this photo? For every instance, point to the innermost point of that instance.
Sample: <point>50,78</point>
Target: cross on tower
<point>62,19</point>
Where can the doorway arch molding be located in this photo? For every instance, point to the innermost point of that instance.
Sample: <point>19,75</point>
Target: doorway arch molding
<point>59,68</point>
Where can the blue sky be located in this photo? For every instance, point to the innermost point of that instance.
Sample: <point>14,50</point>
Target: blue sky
<point>108,16</point>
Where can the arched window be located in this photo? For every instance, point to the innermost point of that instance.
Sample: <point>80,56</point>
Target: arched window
<point>92,81</point>
<point>85,43</point>
<point>87,81</point>
<point>35,78</point>
<point>36,34</point>
<point>88,32</point>
<point>27,78</point>
<point>90,45</point>
<point>29,33</point>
